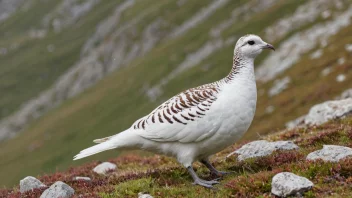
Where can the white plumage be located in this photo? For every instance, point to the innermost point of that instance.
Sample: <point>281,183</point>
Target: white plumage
<point>200,121</point>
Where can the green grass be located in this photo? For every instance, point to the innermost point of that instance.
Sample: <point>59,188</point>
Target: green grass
<point>162,177</point>
<point>30,69</point>
<point>114,103</point>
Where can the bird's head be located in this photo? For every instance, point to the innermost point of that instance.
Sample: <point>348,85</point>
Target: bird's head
<point>251,45</point>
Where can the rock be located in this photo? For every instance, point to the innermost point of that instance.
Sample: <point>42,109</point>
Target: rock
<point>262,148</point>
<point>104,167</point>
<point>348,47</point>
<point>331,153</point>
<point>7,8</point>
<point>326,111</point>
<point>295,46</point>
<point>316,54</point>
<point>286,183</point>
<point>326,71</point>
<point>296,123</point>
<point>279,86</point>
<point>340,78</point>
<point>142,195</point>
<point>58,190</point>
<point>346,94</point>
<point>341,61</point>
<point>30,183</point>
<point>82,179</point>
<point>326,14</point>
<point>269,109</point>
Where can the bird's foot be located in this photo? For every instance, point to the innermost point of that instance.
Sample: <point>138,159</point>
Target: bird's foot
<point>204,183</point>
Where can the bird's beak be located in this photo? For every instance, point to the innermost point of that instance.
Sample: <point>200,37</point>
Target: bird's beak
<point>268,46</point>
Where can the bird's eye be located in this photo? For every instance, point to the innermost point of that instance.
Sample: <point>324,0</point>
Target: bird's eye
<point>251,42</point>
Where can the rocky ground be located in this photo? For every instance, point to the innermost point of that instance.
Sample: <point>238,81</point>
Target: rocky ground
<point>310,160</point>
<point>73,71</point>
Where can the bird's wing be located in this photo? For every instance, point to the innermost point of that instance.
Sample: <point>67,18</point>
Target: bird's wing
<point>171,120</point>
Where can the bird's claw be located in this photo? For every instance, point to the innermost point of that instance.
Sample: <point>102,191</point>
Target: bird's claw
<point>207,184</point>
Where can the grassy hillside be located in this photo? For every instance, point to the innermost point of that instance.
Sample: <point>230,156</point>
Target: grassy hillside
<point>113,104</point>
<point>163,177</point>
<point>28,67</point>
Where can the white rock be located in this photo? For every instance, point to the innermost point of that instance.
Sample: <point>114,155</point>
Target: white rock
<point>58,190</point>
<point>348,47</point>
<point>82,179</point>
<point>331,153</point>
<point>290,51</point>
<point>295,123</point>
<point>286,183</point>
<point>30,183</point>
<point>326,71</point>
<point>326,111</point>
<point>346,94</point>
<point>340,78</point>
<point>326,14</point>
<point>269,109</point>
<point>279,86</point>
<point>262,148</point>
<point>104,167</point>
<point>142,195</point>
<point>341,61</point>
<point>316,54</point>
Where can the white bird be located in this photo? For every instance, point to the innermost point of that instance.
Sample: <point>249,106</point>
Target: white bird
<point>200,121</point>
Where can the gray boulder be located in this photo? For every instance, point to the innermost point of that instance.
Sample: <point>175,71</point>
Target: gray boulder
<point>329,110</point>
<point>58,190</point>
<point>30,183</point>
<point>262,148</point>
<point>285,184</point>
<point>331,153</point>
<point>104,167</point>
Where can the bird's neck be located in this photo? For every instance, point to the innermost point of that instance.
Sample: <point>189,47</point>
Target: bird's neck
<point>242,67</point>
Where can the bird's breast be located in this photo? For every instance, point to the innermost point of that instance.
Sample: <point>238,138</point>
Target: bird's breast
<point>235,109</point>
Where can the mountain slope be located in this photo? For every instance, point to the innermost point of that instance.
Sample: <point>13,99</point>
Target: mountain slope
<point>183,56</point>
<point>164,177</point>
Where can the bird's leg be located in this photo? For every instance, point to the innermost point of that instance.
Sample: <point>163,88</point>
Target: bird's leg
<point>213,171</point>
<point>199,181</point>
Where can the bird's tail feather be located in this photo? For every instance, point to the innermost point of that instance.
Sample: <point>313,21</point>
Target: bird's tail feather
<point>124,139</point>
<point>95,149</point>
<point>98,141</point>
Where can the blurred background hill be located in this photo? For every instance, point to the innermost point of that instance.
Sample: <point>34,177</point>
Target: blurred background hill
<point>72,71</point>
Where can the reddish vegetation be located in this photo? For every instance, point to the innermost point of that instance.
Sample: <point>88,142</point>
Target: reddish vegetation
<point>252,177</point>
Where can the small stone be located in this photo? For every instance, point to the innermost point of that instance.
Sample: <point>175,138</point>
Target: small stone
<point>279,86</point>
<point>346,94</point>
<point>331,153</point>
<point>82,179</point>
<point>30,183</point>
<point>262,148</point>
<point>298,122</point>
<point>326,71</point>
<point>142,195</point>
<point>348,47</point>
<point>316,54</point>
<point>340,78</point>
<point>104,167</point>
<point>326,14</point>
<point>341,61</point>
<point>286,183</point>
<point>329,110</point>
<point>269,109</point>
<point>58,190</point>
